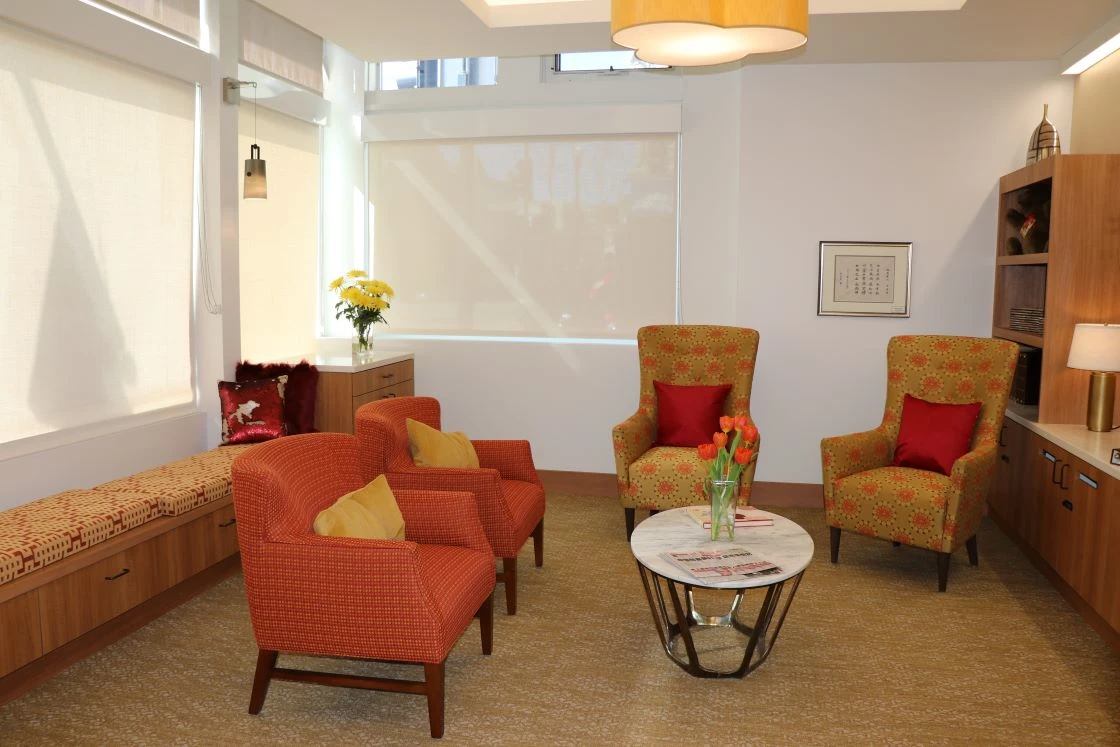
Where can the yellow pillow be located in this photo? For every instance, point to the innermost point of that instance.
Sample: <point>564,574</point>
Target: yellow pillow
<point>369,513</point>
<point>432,448</point>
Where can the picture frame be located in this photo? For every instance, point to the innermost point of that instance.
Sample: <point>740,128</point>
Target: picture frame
<point>864,278</point>
<point>1115,457</point>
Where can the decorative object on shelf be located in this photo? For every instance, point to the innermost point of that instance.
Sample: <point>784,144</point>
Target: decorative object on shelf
<point>1030,221</point>
<point>1096,348</point>
<point>1115,457</point>
<point>363,301</point>
<point>1031,321</point>
<point>864,279</point>
<point>727,462</point>
<point>671,32</point>
<point>1045,141</point>
<point>256,180</point>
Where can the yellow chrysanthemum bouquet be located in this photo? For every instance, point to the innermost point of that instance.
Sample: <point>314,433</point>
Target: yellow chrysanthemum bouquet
<point>363,301</point>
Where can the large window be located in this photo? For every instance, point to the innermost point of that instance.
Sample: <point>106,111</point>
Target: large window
<point>96,179</point>
<point>446,73</point>
<point>569,237</point>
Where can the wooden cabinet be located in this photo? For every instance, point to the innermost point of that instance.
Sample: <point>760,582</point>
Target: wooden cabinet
<point>1007,494</point>
<point>1058,240</point>
<point>1104,594</point>
<point>341,393</point>
<point>21,640</point>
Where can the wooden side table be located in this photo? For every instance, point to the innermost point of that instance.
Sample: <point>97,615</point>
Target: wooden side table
<point>346,385</point>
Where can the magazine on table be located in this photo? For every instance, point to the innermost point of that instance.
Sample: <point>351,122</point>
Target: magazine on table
<point>744,517</point>
<point>726,564</point>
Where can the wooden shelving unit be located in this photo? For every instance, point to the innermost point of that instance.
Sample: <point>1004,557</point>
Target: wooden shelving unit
<point>1058,250</point>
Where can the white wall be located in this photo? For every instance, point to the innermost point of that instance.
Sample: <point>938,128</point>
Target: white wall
<point>566,398</point>
<point>888,152</point>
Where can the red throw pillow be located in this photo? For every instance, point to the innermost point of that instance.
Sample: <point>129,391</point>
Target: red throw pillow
<point>688,415</point>
<point>933,435</point>
<point>252,410</point>
<point>299,393</point>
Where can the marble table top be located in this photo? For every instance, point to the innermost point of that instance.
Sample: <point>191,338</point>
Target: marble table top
<point>785,544</point>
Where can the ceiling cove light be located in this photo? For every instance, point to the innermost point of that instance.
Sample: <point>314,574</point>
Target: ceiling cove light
<point>1094,57</point>
<point>694,32</point>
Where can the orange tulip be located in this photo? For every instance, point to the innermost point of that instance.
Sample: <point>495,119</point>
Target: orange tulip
<point>743,455</point>
<point>719,440</point>
<point>750,434</point>
<point>707,452</point>
<point>741,422</point>
<point>726,423</point>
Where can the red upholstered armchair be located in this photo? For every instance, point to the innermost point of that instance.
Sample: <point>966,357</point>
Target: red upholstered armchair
<point>510,495</point>
<point>390,600</point>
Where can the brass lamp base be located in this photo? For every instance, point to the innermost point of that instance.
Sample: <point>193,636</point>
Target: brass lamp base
<point>1102,396</point>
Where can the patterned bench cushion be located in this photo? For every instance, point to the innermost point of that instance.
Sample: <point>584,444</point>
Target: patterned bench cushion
<point>39,533</point>
<point>186,484</point>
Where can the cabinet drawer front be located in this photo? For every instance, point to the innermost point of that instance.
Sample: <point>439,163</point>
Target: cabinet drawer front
<point>21,641</point>
<point>403,389</point>
<point>82,600</point>
<point>202,543</point>
<point>382,376</point>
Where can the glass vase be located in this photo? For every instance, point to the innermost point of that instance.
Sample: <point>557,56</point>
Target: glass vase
<point>723,495</point>
<point>361,344</point>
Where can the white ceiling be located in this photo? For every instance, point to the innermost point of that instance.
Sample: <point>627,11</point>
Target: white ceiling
<point>983,30</point>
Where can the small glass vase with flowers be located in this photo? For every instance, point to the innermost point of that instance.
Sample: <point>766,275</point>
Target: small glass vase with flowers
<point>728,457</point>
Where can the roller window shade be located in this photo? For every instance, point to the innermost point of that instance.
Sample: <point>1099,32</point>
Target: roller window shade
<point>178,16</point>
<point>96,196</point>
<point>559,237</point>
<point>274,44</point>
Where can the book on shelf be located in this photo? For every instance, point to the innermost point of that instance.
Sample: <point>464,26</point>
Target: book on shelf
<point>727,564</point>
<point>744,517</point>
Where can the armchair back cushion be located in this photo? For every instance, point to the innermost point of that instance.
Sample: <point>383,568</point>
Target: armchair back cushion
<point>688,415</point>
<point>933,435</point>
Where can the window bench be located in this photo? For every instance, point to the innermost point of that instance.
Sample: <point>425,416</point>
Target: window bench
<point>73,561</point>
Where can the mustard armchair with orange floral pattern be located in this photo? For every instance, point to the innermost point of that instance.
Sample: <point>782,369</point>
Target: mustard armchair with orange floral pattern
<point>864,493</point>
<point>660,477</point>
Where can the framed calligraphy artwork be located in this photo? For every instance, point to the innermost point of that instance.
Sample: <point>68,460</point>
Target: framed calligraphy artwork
<point>864,279</point>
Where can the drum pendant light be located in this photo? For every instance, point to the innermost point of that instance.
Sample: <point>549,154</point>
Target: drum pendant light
<point>708,32</point>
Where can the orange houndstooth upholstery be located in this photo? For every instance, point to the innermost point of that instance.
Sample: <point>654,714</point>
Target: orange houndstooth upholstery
<point>186,484</point>
<point>863,493</point>
<point>510,495</point>
<point>659,477</point>
<point>405,601</point>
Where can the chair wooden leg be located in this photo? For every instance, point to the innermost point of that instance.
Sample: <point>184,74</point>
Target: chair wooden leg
<point>834,543</point>
<point>433,688</point>
<point>629,522</point>
<point>485,617</point>
<point>266,662</point>
<point>973,554</point>
<point>896,544</point>
<point>943,570</point>
<point>538,543</point>
<point>509,578</point>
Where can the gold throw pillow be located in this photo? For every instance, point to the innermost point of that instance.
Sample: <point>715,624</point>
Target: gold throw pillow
<point>368,513</point>
<point>432,448</point>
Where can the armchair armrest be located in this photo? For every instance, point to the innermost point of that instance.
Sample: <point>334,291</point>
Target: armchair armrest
<point>512,458</point>
<point>632,438</point>
<point>972,478</point>
<point>434,517</point>
<point>842,456</point>
<point>485,484</point>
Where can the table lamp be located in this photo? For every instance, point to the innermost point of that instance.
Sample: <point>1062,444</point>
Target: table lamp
<point>1096,348</point>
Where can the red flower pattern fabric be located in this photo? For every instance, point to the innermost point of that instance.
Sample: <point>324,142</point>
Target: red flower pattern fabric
<point>863,492</point>
<point>664,477</point>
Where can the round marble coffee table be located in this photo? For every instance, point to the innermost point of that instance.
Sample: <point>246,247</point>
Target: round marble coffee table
<point>718,638</point>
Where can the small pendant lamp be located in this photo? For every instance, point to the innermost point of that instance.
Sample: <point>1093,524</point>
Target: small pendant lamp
<point>684,32</point>
<point>256,182</point>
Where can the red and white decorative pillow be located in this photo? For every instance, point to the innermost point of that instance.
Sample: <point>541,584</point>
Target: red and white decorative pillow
<point>252,410</point>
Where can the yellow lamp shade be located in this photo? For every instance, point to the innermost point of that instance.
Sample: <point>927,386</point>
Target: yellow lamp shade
<point>699,32</point>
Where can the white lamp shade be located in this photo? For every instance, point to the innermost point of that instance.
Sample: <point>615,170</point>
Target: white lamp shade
<point>1095,347</point>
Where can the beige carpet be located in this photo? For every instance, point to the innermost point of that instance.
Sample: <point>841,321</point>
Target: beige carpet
<point>870,653</point>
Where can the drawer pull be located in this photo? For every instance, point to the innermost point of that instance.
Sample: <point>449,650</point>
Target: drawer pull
<point>1087,480</point>
<point>388,376</point>
<point>114,578</point>
<point>1004,458</point>
<point>388,396</point>
<point>1067,505</point>
<point>229,523</point>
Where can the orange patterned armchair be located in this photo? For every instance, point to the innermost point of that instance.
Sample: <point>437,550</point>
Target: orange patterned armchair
<point>660,477</point>
<point>864,493</point>
<point>390,600</point>
<point>509,493</point>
